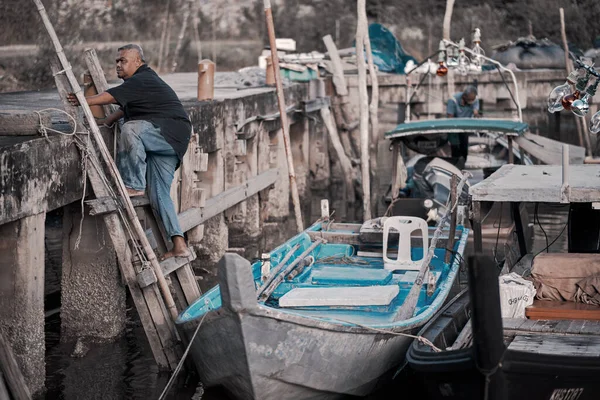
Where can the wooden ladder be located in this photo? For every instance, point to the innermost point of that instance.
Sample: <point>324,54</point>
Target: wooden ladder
<point>142,281</point>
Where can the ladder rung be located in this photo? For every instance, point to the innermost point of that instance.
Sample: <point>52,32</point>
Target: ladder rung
<point>168,266</point>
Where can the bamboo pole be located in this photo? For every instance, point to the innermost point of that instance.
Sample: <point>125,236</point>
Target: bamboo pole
<point>345,162</point>
<point>186,17</point>
<point>446,35</point>
<point>10,369</point>
<point>163,35</point>
<point>196,20</point>
<point>448,19</point>
<point>363,102</point>
<point>584,138</point>
<point>107,159</point>
<point>283,115</point>
<point>373,110</point>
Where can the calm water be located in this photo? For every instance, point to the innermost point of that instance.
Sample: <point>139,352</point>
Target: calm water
<point>126,370</point>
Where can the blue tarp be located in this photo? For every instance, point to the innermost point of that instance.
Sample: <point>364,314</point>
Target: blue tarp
<point>388,54</point>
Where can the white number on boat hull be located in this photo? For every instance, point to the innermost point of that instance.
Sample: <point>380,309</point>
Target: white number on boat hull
<point>566,394</point>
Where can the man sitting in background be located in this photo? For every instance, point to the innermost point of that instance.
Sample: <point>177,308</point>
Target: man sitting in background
<point>153,139</point>
<point>462,105</point>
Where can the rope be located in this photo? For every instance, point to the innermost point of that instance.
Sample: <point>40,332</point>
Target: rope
<point>179,365</point>
<point>43,130</point>
<point>421,339</point>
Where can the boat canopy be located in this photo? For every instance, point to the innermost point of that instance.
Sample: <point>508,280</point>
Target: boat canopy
<point>502,127</point>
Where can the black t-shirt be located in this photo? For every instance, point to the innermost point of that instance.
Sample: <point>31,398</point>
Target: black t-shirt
<point>145,96</point>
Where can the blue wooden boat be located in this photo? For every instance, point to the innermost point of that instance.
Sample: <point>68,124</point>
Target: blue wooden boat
<point>321,316</point>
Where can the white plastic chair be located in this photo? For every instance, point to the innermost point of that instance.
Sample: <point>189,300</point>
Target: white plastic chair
<point>405,227</point>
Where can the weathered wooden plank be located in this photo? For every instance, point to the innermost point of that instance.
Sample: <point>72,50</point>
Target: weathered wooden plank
<point>192,195</point>
<point>224,200</point>
<point>580,345</point>
<point>93,65</point>
<point>213,206</point>
<point>10,370</point>
<point>539,183</point>
<point>188,283</point>
<point>549,151</point>
<point>172,264</point>
<point>465,338</point>
<point>4,395</point>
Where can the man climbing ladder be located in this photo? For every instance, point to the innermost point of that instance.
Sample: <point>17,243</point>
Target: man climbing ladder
<point>153,139</point>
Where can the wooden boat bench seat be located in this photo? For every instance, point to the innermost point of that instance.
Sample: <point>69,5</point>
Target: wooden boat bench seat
<point>550,310</point>
<point>350,276</point>
<point>340,296</point>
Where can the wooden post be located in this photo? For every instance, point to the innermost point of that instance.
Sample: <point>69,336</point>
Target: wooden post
<point>22,299</point>
<point>452,232</point>
<point>112,168</point>
<point>196,20</point>
<point>373,110</point>
<point>446,35</point>
<point>339,80</point>
<point>186,15</point>
<point>511,154</point>
<point>363,101</point>
<point>488,334</point>
<point>90,90</point>
<point>10,369</point>
<point>283,116</point>
<point>448,19</point>
<point>339,150</point>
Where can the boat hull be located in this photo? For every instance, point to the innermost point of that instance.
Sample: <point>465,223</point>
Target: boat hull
<point>269,357</point>
<point>454,375</point>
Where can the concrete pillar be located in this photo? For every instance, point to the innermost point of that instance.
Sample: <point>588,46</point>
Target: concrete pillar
<point>93,295</point>
<point>22,295</point>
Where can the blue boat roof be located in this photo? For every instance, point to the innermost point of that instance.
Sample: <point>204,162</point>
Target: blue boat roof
<point>458,125</point>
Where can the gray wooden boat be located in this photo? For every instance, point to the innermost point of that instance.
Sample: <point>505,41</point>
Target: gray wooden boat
<point>318,319</point>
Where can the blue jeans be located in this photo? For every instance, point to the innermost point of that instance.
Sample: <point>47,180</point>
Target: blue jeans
<point>144,156</point>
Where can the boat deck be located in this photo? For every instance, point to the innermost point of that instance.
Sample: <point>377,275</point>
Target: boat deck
<point>346,281</point>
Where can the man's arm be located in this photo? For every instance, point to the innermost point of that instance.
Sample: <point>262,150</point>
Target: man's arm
<point>101,99</point>
<point>476,108</point>
<point>450,108</point>
<point>112,118</point>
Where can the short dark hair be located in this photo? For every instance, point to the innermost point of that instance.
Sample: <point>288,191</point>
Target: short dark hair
<point>470,90</point>
<point>135,47</point>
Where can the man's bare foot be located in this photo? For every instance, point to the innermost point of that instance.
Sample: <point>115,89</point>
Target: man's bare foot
<point>179,249</point>
<point>133,192</point>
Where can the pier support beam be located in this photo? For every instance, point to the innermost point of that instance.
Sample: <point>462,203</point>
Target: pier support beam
<point>93,297</point>
<point>22,295</point>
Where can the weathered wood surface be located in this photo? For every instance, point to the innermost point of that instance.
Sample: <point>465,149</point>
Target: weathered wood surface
<point>363,102</point>
<point>224,200</point>
<point>549,151</point>
<point>339,79</point>
<point>192,194</point>
<point>213,206</point>
<point>579,346</point>
<point>539,183</point>
<point>171,265</point>
<point>10,369</point>
<point>465,337</point>
<point>562,310</point>
<point>16,123</point>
